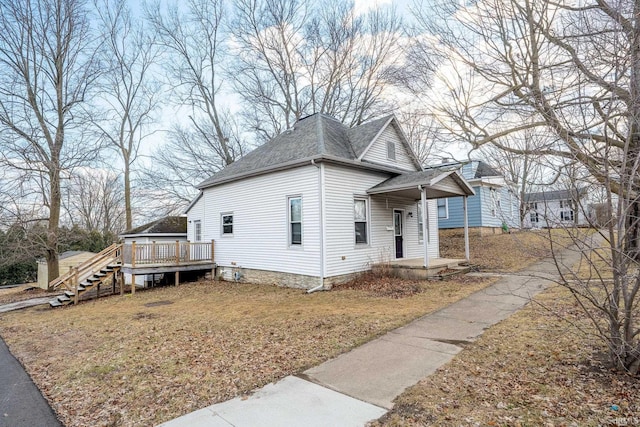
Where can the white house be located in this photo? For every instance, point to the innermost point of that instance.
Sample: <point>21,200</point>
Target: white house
<point>321,202</point>
<point>559,208</point>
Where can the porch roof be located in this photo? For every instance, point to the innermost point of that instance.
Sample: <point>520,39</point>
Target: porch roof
<point>438,183</point>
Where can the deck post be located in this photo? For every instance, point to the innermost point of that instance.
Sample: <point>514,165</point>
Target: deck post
<point>177,252</point>
<point>187,257</point>
<point>177,278</point>
<point>121,281</point>
<point>76,285</point>
<point>425,228</point>
<point>212,259</point>
<point>466,228</point>
<point>133,254</point>
<point>133,284</point>
<point>153,252</point>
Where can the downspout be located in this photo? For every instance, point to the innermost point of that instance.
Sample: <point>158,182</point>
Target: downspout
<point>321,198</point>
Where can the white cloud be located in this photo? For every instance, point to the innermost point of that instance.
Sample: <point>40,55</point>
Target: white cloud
<point>363,6</point>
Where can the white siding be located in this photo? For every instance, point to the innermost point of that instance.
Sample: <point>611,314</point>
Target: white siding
<point>549,215</point>
<point>196,213</point>
<point>377,153</point>
<point>260,227</point>
<point>342,254</point>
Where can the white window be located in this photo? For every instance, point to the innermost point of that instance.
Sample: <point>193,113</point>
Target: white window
<point>391,149</point>
<point>443,208</point>
<point>420,230</point>
<point>295,221</point>
<point>227,224</point>
<point>197,230</point>
<point>495,203</point>
<point>533,216</point>
<point>360,220</point>
<point>566,215</point>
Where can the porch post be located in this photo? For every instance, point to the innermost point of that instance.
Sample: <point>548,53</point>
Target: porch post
<point>466,228</point>
<point>425,228</point>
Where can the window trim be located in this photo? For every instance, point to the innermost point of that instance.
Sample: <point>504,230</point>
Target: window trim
<point>290,243</point>
<point>367,213</point>
<point>222,215</point>
<point>391,149</point>
<point>446,208</point>
<point>197,234</point>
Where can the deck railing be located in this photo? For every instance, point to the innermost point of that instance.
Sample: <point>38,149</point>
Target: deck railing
<point>167,253</point>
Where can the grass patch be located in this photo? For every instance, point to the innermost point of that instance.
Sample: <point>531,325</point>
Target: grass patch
<point>530,369</point>
<point>506,252</point>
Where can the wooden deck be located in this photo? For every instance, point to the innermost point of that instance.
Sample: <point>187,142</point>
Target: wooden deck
<point>167,257</point>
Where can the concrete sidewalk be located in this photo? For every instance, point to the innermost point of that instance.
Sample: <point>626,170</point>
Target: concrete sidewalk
<point>360,385</point>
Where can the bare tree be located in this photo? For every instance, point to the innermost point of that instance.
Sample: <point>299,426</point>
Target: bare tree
<point>46,66</point>
<point>293,59</point>
<point>573,70</point>
<point>95,202</point>
<point>128,94</point>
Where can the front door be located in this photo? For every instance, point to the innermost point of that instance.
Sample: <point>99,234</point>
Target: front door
<point>398,232</point>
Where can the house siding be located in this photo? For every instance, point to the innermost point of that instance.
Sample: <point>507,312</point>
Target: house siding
<point>343,256</point>
<point>549,215</point>
<point>480,207</point>
<point>377,153</point>
<point>260,222</point>
<point>196,213</point>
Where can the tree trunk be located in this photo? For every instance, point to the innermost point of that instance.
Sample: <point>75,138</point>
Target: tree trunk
<point>53,227</point>
<point>127,194</point>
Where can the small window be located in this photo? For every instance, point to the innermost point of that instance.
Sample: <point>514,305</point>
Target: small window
<point>443,209</point>
<point>420,229</point>
<point>227,224</point>
<point>295,221</point>
<point>566,215</point>
<point>391,150</point>
<point>534,217</point>
<point>360,220</point>
<point>197,231</point>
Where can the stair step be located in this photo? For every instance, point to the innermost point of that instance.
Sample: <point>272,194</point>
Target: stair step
<point>55,303</point>
<point>69,293</point>
<point>64,298</point>
<point>94,278</point>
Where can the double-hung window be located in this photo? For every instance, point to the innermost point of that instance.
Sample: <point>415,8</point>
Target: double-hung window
<point>360,216</point>
<point>295,221</point>
<point>227,224</point>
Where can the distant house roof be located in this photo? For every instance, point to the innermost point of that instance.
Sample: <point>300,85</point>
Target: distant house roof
<point>166,225</point>
<point>315,137</point>
<point>483,170</point>
<point>554,195</point>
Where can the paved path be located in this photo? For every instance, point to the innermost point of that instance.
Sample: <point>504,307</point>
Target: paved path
<point>26,303</point>
<point>21,403</point>
<point>360,385</point>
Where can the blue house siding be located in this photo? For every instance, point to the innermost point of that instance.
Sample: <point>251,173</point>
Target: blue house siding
<point>480,210</point>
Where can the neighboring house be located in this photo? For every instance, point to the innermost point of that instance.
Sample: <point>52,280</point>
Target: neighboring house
<point>495,202</point>
<point>66,261</point>
<point>321,202</point>
<point>559,208</point>
<point>169,229</point>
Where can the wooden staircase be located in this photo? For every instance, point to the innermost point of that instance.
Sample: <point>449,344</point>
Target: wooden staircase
<point>80,281</point>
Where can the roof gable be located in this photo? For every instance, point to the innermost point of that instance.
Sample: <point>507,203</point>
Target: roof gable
<point>388,130</point>
<point>314,137</point>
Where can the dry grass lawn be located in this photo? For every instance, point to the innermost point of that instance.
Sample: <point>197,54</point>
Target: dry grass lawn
<point>529,370</point>
<point>142,360</point>
<point>504,252</point>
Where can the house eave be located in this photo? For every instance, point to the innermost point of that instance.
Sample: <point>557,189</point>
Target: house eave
<point>129,236</point>
<point>307,161</point>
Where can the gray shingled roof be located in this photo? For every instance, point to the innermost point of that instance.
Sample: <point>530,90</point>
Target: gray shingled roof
<point>311,137</point>
<point>484,169</point>
<point>166,225</point>
<point>407,179</point>
<point>553,195</point>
